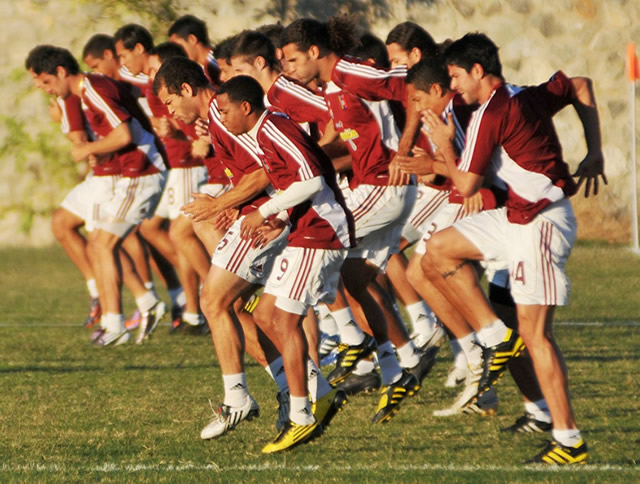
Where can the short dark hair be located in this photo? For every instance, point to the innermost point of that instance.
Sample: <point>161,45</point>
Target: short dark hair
<point>409,35</point>
<point>272,31</point>
<point>97,44</point>
<point>371,47</point>
<point>244,88</point>
<point>474,48</point>
<point>132,34</point>
<point>252,44</point>
<point>338,35</point>
<point>177,71</point>
<point>427,72</point>
<point>166,50</point>
<point>189,25</point>
<point>47,58</point>
<point>224,49</point>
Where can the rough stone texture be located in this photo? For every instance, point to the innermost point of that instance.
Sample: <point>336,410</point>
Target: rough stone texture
<point>536,38</point>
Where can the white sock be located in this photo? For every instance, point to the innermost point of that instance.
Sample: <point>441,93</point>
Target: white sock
<point>113,322</point>
<point>300,411</point>
<point>92,287</point>
<point>408,355</point>
<point>471,349</point>
<point>323,311</point>
<point>492,334</point>
<point>146,301</point>
<point>276,371</point>
<point>328,325</point>
<point>459,358</point>
<point>177,297</point>
<point>389,366</point>
<point>192,319</point>
<point>364,367</point>
<point>317,384</point>
<point>350,332</point>
<point>568,437</point>
<point>422,318</point>
<point>235,389</point>
<point>539,410</point>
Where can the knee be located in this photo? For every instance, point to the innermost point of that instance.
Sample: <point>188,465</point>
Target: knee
<point>427,266</point>
<point>435,246</point>
<point>59,224</point>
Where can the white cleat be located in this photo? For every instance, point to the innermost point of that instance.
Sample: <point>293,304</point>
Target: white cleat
<point>226,418</point>
<point>466,397</point>
<point>456,377</point>
<point>112,338</point>
<point>150,320</point>
<point>424,342</point>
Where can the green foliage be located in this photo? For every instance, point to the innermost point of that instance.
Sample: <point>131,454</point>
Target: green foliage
<point>158,13</point>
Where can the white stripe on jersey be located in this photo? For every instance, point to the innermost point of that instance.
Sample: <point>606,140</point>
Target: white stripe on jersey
<point>327,208</point>
<point>370,72</point>
<point>244,140</point>
<point>285,143</point>
<point>138,79</point>
<point>101,104</point>
<point>211,59</point>
<point>389,131</point>
<point>301,93</point>
<point>146,142</point>
<point>64,121</point>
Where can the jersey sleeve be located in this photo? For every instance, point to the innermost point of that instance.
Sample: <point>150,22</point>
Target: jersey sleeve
<point>72,114</point>
<point>105,98</point>
<point>553,95</point>
<point>370,82</point>
<point>298,102</point>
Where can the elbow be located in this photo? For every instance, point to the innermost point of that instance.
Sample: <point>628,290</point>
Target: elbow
<point>467,190</point>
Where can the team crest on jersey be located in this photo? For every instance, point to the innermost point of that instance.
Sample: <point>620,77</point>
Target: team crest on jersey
<point>342,101</point>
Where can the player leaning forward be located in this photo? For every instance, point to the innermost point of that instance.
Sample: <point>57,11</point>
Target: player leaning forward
<point>307,271</point>
<point>512,136</point>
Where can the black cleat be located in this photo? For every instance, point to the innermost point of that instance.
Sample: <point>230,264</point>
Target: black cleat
<point>557,454</point>
<point>496,357</point>
<point>393,395</point>
<point>348,358</point>
<point>355,384</point>
<point>528,424</point>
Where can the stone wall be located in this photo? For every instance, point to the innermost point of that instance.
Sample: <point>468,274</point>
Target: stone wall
<point>536,38</point>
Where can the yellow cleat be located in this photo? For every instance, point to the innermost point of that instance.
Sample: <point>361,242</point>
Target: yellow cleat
<point>325,408</point>
<point>291,435</point>
<point>557,454</point>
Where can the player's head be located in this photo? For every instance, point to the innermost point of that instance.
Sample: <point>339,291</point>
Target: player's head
<point>99,53</point>
<point>189,32</point>
<point>240,100</point>
<point>408,43</point>
<point>253,53</point>
<point>133,43</point>
<point>222,52</point>
<point>371,48</point>
<point>273,31</point>
<point>178,83</point>
<point>307,40</point>
<point>470,59</point>
<point>430,81</point>
<point>161,53</point>
<point>50,68</point>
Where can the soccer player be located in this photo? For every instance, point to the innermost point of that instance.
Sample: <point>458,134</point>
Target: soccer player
<point>121,128</point>
<point>311,50</point>
<point>191,33</point>
<point>307,271</point>
<point>512,136</point>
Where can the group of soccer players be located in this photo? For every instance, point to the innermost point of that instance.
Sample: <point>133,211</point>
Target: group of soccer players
<point>292,167</point>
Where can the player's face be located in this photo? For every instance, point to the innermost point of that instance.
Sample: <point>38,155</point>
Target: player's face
<point>188,47</point>
<point>107,65</point>
<point>397,55</point>
<point>184,106</point>
<point>153,64</point>
<point>232,116</point>
<point>465,83</point>
<point>241,66</point>
<point>129,58</point>
<point>226,70</point>
<point>55,84</point>
<point>424,100</point>
<point>300,65</point>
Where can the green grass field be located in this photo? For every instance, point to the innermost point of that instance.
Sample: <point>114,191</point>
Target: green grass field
<point>71,412</point>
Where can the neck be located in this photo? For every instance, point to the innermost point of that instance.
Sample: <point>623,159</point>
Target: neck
<point>204,99</point>
<point>202,53</point>
<point>326,65</point>
<point>267,79</point>
<point>253,119</point>
<point>488,85</point>
<point>446,98</point>
<point>75,83</point>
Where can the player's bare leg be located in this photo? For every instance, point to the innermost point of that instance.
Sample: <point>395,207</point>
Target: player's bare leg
<point>65,226</point>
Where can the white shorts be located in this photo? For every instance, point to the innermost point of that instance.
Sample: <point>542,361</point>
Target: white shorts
<point>134,200</point>
<point>536,252</point>
<point>85,199</point>
<point>379,212</point>
<point>303,277</point>
<point>446,217</point>
<point>428,202</point>
<point>181,184</point>
<point>236,255</point>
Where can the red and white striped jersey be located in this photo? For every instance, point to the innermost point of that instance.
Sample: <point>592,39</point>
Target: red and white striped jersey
<point>237,153</point>
<point>109,103</point>
<point>369,81</point>
<point>212,69</point>
<point>512,136</point>
<point>298,102</point>
<point>290,155</point>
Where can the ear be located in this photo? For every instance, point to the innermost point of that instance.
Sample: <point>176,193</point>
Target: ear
<point>415,55</point>
<point>61,72</point>
<point>107,54</point>
<point>477,71</point>
<point>246,107</point>
<point>192,39</point>
<point>314,52</point>
<point>139,48</point>
<point>259,63</point>
<point>186,90</point>
<point>436,90</point>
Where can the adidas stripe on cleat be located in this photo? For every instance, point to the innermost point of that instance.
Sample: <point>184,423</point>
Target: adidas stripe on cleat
<point>557,454</point>
<point>528,424</point>
<point>348,358</point>
<point>227,418</point>
<point>496,357</point>
<point>393,395</point>
<point>292,435</point>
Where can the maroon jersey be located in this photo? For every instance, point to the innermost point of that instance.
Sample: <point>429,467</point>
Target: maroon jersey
<point>512,136</point>
<point>290,155</point>
<point>370,82</point>
<point>296,101</point>
<point>237,153</point>
<point>178,149</point>
<point>212,69</point>
<point>109,103</point>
